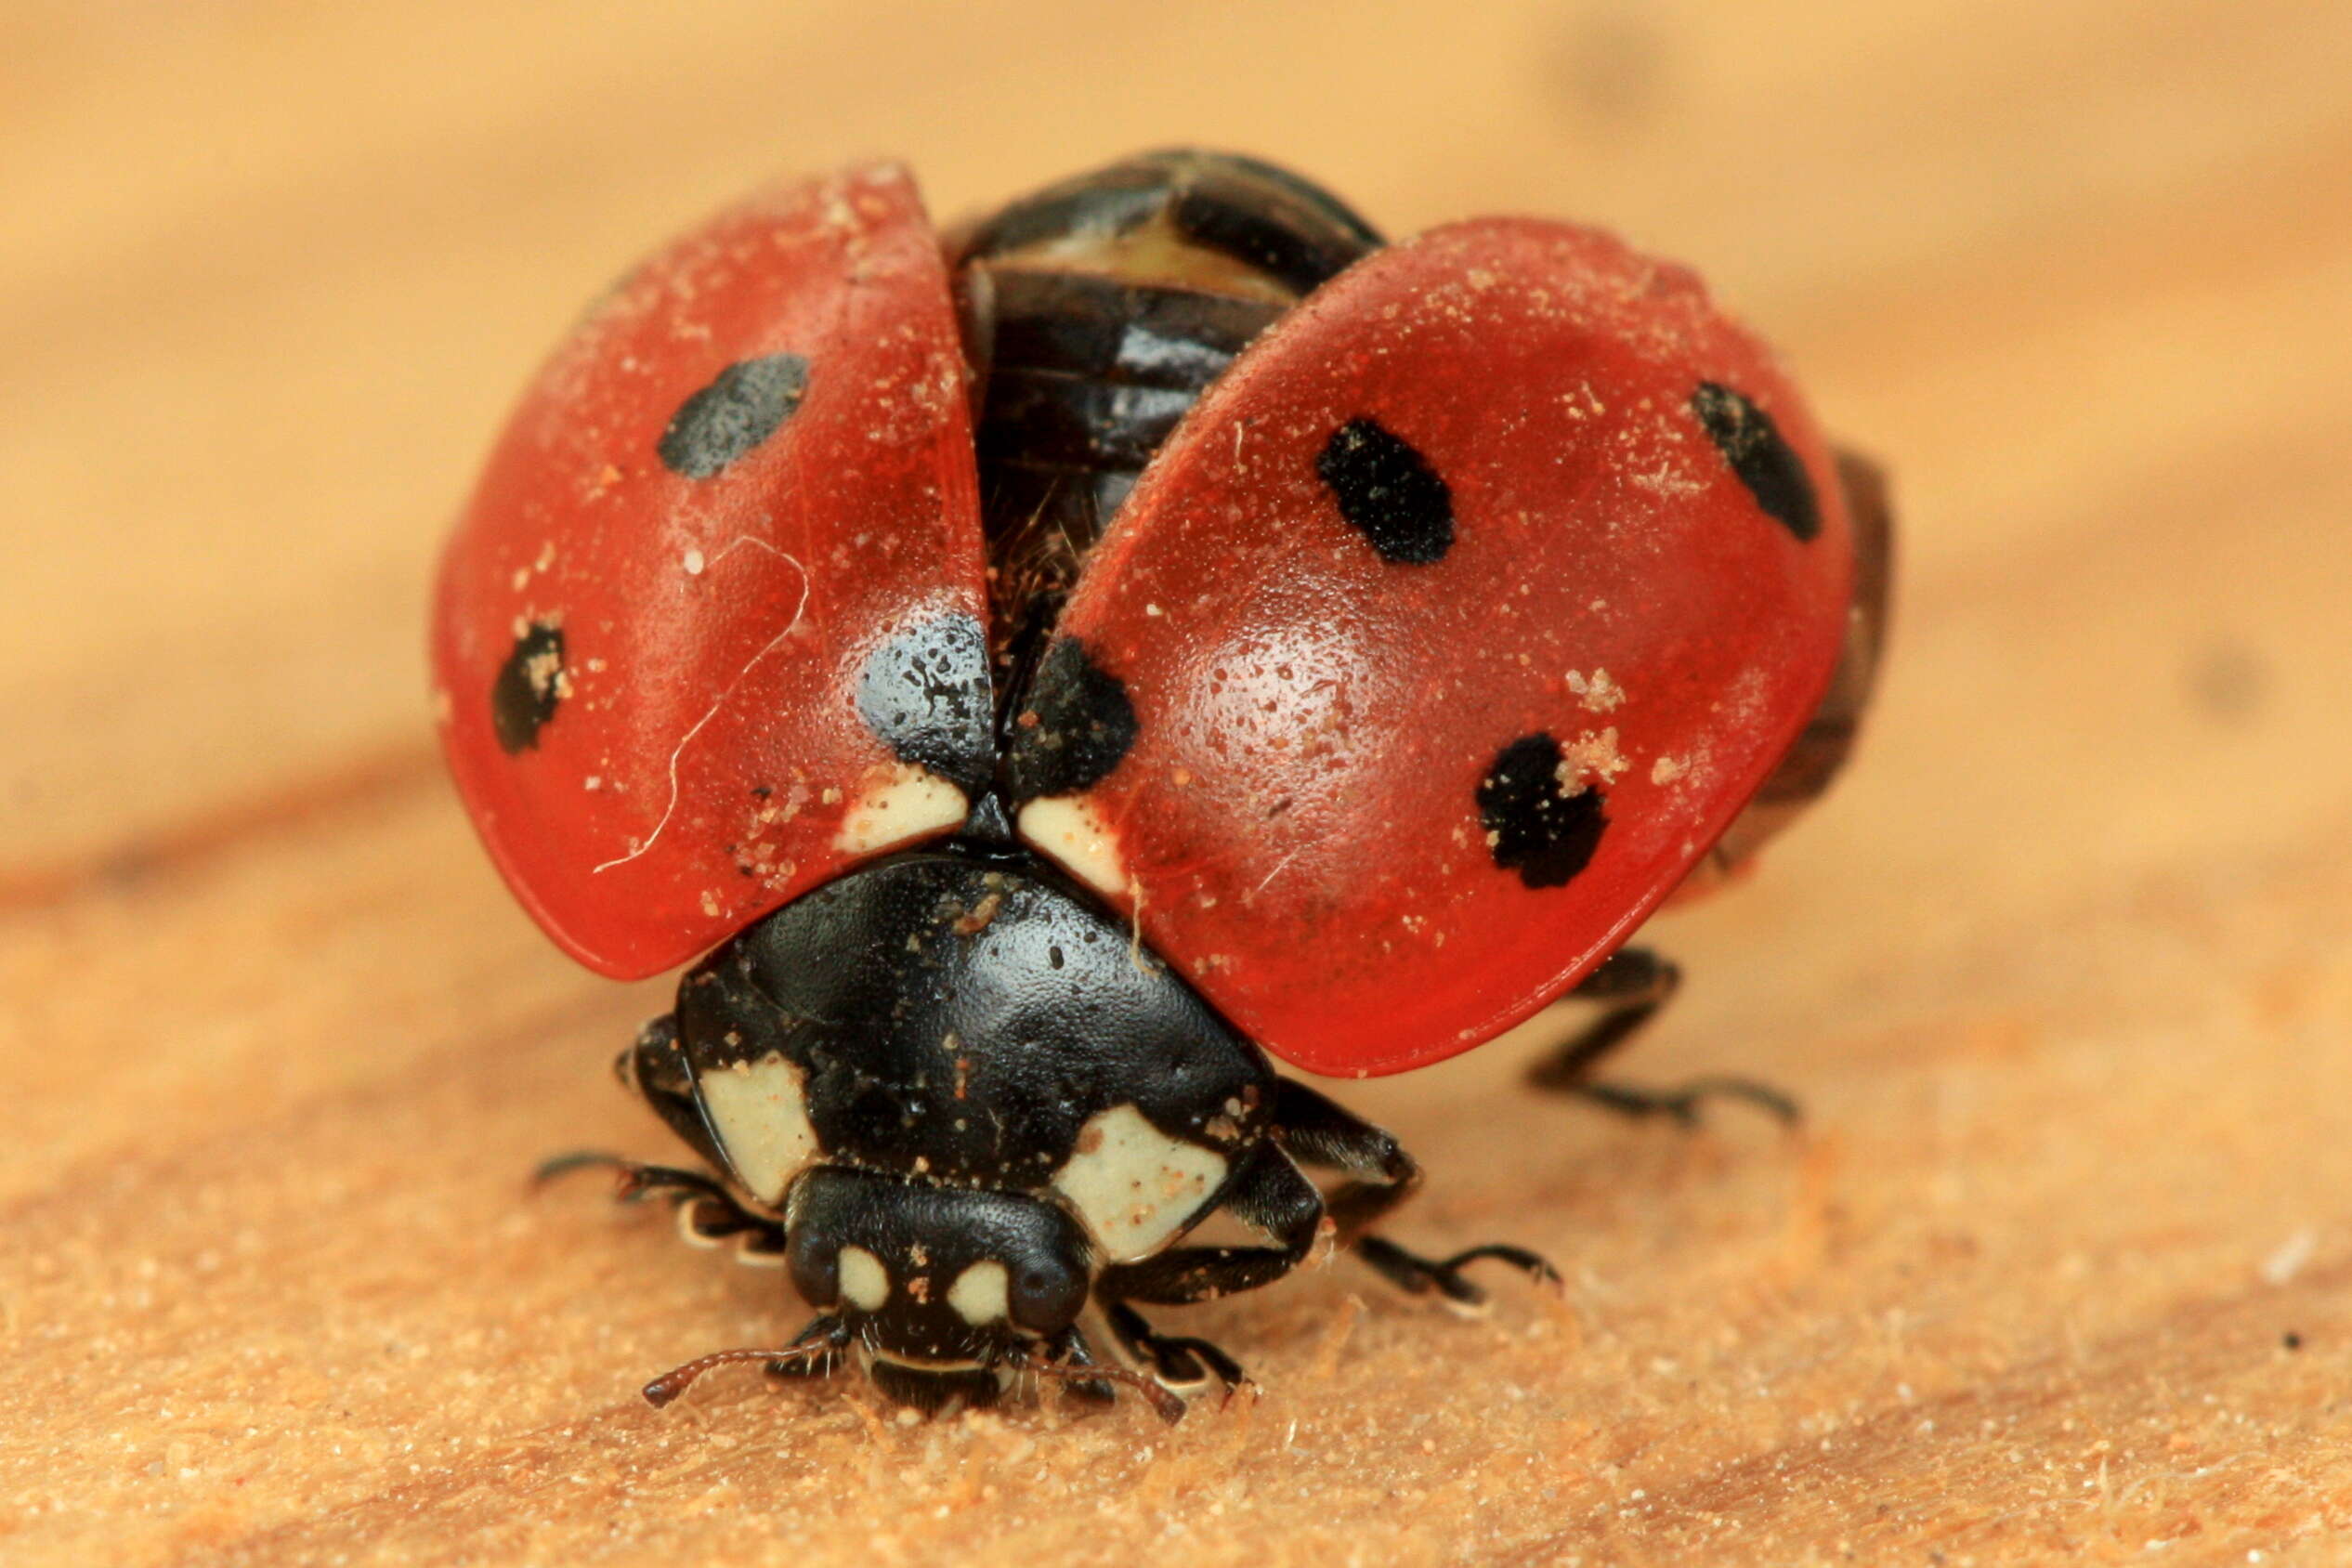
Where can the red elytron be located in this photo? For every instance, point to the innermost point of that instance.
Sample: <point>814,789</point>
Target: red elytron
<point>1298,826</point>
<point>652,619</point>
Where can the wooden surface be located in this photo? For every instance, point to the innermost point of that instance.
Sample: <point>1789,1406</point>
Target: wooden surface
<point>2063,1265</point>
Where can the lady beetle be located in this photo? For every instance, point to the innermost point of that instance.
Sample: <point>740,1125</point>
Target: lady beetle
<point>1040,671</point>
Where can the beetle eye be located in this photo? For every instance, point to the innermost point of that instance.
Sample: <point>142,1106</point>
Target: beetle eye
<point>815,1269</point>
<point>1045,1296</point>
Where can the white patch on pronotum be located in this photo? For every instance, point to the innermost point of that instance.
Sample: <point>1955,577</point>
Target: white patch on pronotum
<point>1067,829</point>
<point>760,1111</point>
<point>864,1283</point>
<point>1133,1184</point>
<point>978,1294</point>
<point>909,801</point>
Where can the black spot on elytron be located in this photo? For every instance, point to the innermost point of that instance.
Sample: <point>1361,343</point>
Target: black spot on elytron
<point>743,407</point>
<point>529,686</point>
<point>1389,492</point>
<point>1753,445</point>
<point>1072,726</point>
<point>1532,828</point>
<point>925,694</point>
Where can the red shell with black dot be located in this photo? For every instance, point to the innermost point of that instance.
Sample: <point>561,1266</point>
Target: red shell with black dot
<point>746,472</point>
<point>1456,621</point>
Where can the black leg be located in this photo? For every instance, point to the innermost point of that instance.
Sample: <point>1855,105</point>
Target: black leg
<point>1417,1275</point>
<point>1324,1133</point>
<point>708,1212</point>
<point>1631,986</point>
<point>1070,1361</point>
<point>655,1069</point>
<point>636,1181</point>
<point>1174,1358</point>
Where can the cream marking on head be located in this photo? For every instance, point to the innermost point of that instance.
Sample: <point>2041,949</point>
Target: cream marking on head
<point>864,1283</point>
<point>978,1294</point>
<point>1133,1185</point>
<point>760,1112</point>
<point>1067,830</point>
<point>911,801</point>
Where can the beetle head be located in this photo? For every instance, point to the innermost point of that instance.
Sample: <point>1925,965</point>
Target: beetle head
<point>943,1288</point>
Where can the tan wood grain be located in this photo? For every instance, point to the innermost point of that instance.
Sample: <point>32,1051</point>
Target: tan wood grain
<point>2062,1265</point>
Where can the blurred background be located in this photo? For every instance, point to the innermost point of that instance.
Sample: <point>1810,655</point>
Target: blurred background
<point>2061,969</point>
